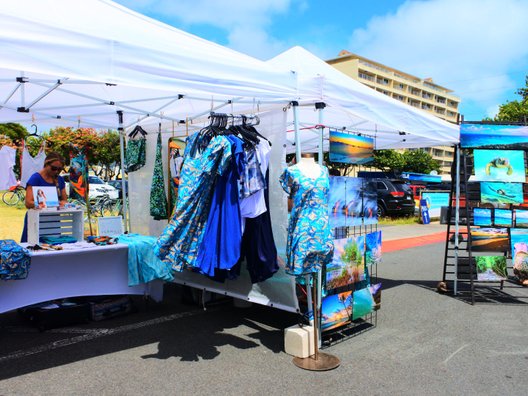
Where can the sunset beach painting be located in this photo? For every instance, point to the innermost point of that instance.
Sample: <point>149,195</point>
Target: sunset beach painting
<point>350,149</point>
<point>336,310</point>
<point>489,239</point>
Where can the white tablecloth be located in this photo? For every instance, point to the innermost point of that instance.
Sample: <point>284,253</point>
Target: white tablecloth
<point>99,270</point>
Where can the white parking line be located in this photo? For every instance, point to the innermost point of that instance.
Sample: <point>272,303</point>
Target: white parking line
<point>96,333</point>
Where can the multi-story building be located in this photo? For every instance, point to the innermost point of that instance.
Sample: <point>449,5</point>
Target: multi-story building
<point>423,94</point>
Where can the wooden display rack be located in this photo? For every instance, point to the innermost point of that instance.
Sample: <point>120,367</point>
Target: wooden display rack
<point>64,222</point>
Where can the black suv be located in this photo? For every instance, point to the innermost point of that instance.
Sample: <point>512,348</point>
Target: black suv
<point>395,197</point>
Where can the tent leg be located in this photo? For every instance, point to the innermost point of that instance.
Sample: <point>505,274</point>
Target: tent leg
<point>124,191</point>
<point>320,107</point>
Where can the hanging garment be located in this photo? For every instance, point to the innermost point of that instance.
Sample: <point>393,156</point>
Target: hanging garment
<point>37,180</point>
<point>31,164</point>
<point>220,248</point>
<point>255,204</point>
<point>7,164</point>
<point>158,199</point>
<point>179,242</point>
<point>258,245</point>
<point>79,177</point>
<point>175,165</point>
<point>252,180</point>
<point>143,265</point>
<point>310,244</point>
<point>135,155</point>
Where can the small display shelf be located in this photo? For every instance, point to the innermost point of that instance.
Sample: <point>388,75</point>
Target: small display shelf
<point>64,222</point>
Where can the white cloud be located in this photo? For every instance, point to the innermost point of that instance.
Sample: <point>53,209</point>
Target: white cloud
<point>245,21</point>
<point>470,46</point>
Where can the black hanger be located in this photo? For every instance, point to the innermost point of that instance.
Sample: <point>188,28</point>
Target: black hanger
<point>137,129</point>
<point>35,131</point>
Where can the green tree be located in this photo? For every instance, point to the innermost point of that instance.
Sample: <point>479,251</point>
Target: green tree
<point>389,161</point>
<point>14,131</point>
<point>515,111</point>
<point>419,161</point>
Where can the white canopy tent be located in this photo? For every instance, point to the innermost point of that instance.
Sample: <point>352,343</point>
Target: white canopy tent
<point>356,107</point>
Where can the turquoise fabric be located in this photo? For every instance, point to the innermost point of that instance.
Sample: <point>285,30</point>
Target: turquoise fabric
<point>15,260</point>
<point>158,198</point>
<point>310,244</point>
<point>143,265</point>
<point>179,242</point>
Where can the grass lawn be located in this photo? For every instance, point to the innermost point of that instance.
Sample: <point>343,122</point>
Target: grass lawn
<point>12,221</point>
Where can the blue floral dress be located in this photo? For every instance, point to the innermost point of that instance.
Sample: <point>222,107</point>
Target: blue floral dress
<point>310,244</point>
<point>179,242</point>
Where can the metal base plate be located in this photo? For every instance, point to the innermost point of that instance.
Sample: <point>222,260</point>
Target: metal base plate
<point>324,362</point>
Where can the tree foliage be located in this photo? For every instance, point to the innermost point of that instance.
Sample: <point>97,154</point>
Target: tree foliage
<point>419,161</point>
<point>516,110</point>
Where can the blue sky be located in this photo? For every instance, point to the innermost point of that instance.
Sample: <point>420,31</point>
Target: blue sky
<point>477,48</point>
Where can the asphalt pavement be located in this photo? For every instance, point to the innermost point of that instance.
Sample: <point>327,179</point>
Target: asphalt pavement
<point>424,343</point>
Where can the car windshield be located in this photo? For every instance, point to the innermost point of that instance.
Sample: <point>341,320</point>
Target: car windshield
<point>401,186</point>
<point>95,180</point>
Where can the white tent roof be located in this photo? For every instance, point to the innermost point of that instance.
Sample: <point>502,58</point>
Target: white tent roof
<point>356,107</point>
<point>83,60</point>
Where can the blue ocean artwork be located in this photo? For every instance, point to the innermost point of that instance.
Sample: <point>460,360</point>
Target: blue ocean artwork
<point>503,136</point>
<point>519,244</point>
<point>482,217</point>
<point>345,202</point>
<point>348,263</point>
<point>501,193</point>
<point>336,310</point>
<point>503,218</point>
<point>499,165</point>
<point>373,248</point>
<point>370,202</point>
<point>350,148</point>
<point>521,218</point>
<point>362,303</point>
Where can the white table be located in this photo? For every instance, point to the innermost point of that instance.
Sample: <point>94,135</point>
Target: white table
<point>100,270</point>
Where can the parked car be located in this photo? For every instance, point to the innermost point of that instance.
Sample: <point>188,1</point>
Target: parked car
<point>395,197</point>
<point>98,188</point>
<point>117,185</point>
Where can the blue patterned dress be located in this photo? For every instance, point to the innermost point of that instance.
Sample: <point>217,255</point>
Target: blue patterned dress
<point>310,244</point>
<point>179,242</point>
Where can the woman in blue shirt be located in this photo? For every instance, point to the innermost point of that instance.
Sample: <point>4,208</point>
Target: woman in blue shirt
<point>47,177</point>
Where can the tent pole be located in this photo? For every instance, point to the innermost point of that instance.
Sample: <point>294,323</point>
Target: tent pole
<point>457,215</point>
<point>297,135</point>
<point>320,107</point>
<point>124,192</point>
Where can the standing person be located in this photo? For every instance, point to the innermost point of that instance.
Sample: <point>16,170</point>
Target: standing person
<point>46,177</point>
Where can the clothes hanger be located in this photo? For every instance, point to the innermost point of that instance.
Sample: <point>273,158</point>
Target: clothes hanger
<point>137,129</point>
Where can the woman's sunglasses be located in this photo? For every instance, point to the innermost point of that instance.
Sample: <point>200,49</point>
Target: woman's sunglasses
<point>56,168</point>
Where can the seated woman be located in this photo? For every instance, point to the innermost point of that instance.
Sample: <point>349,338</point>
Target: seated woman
<point>46,177</point>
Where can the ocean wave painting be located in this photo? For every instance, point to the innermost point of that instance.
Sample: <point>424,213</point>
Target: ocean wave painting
<point>496,136</point>
<point>503,218</point>
<point>521,218</point>
<point>482,217</point>
<point>350,204</point>
<point>501,193</point>
<point>350,149</point>
<point>488,239</point>
<point>499,165</point>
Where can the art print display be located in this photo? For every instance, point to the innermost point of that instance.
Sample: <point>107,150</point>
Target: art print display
<point>491,268</point>
<point>370,202</point>
<point>497,136</point>
<point>499,165</point>
<point>345,201</point>
<point>519,247</point>
<point>489,239</point>
<point>482,217</point>
<point>373,248</point>
<point>375,290</point>
<point>78,177</point>
<point>351,149</point>
<point>362,303</point>
<point>501,193</point>
<point>503,218</point>
<point>521,218</point>
<point>348,264</point>
<point>45,197</point>
<point>336,310</point>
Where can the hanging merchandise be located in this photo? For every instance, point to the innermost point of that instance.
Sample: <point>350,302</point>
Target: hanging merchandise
<point>158,199</point>
<point>309,244</point>
<point>7,164</point>
<point>135,155</point>
<point>79,177</point>
<point>175,164</point>
<point>31,164</point>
